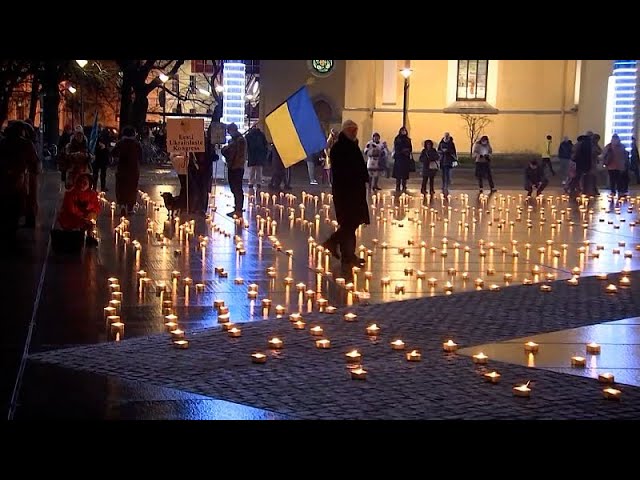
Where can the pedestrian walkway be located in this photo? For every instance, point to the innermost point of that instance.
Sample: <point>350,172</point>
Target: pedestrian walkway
<point>428,278</point>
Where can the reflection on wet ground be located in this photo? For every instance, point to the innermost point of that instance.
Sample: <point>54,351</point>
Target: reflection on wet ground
<point>415,247</point>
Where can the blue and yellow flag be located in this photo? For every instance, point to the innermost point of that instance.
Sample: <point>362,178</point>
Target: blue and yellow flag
<point>295,128</point>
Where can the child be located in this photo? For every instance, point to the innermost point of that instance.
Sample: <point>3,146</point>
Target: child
<point>429,159</point>
<point>546,155</point>
<point>534,177</point>
<point>80,207</point>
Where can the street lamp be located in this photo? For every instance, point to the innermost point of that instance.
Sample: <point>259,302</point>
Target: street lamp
<point>162,96</point>
<point>82,63</point>
<point>406,73</point>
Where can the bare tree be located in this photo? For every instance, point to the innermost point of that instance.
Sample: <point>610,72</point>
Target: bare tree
<point>474,127</point>
<point>134,88</point>
<point>12,73</point>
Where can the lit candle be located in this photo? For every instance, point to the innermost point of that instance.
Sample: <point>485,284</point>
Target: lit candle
<point>531,347</point>
<point>288,281</point>
<point>280,310</point>
<point>578,362</point>
<point>522,390</point>
<point>358,374</point>
<point>611,288</point>
<point>298,325</point>
<point>350,317</point>
<point>218,303</point>
<point>187,281</point>
<point>353,356</point>
<point>275,343</point>
<point>323,344</point>
<point>494,288</point>
<point>480,358</point>
<point>316,331</point>
<point>113,319</point>
<point>545,288</point>
<point>199,287</point>
<point>252,295</point>
<point>397,345</point>
<point>114,287</point>
<point>175,274</point>
<point>606,378</point>
<point>449,346</point>
<point>294,317</point>
<point>258,357</point>
<point>373,330</point>
<point>234,332</point>
<point>527,281</point>
<point>300,287</point>
<point>573,281</point>
<point>109,311</point>
<point>177,334</point>
<point>413,356</point>
<point>266,303</point>
<point>624,281</point>
<point>117,328</point>
<point>593,348</point>
<point>330,310</point>
<point>181,344</point>
<point>611,393</point>
<point>253,288</point>
<point>115,304</point>
<point>227,325</point>
<point>114,280</point>
<point>492,377</point>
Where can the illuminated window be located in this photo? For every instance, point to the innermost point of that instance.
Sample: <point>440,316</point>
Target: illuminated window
<point>472,80</point>
<point>175,83</point>
<point>202,66</point>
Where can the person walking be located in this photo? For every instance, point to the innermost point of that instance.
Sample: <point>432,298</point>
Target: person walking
<point>235,152</point>
<point>101,161</point>
<point>546,155</point>
<point>634,165</point>
<point>128,151</point>
<point>257,149</point>
<point>350,178</point>
<point>564,154</point>
<point>615,159</point>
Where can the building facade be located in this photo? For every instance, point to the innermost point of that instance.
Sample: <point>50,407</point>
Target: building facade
<point>522,100</point>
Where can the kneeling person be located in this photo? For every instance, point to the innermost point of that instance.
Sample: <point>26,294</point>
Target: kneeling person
<point>534,177</point>
<point>80,208</point>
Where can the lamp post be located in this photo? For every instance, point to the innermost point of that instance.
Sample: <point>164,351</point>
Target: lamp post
<point>72,90</point>
<point>163,97</point>
<point>82,64</point>
<point>406,73</point>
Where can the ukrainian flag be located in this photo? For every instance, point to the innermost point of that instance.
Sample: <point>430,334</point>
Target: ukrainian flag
<point>295,128</point>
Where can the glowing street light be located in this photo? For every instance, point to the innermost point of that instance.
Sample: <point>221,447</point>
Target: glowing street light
<point>82,63</point>
<point>406,73</point>
<point>72,89</point>
<point>163,78</point>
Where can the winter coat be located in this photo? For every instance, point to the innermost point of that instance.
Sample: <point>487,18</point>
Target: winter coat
<point>534,176</point>
<point>447,152</point>
<point>430,161</point>
<point>564,150</point>
<point>78,208</point>
<point>402,149</point>
<point>615,157</point>
<point>129,153</point>
<point>374,152</point>
<point>349,184</point>
<point>235,152</point>
<point>257,148</point>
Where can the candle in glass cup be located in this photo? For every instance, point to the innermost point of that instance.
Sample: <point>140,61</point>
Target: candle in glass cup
<point>323,344</point>
<point>414,356</point>
<point>397,345</point>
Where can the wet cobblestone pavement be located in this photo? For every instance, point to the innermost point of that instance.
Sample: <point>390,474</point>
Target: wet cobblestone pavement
<point>436,269</point>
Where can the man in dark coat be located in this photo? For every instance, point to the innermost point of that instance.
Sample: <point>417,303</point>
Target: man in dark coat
<point>403,162</point>
<point>101,162</point>
<point>18,160</point>
<point>350,178</point>
<point>128,151</point>
<point>257,150</point>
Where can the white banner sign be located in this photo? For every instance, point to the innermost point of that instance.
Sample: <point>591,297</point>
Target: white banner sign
<point>185,135</point>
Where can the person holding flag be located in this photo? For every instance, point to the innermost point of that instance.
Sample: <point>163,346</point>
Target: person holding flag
<point>350,178</point>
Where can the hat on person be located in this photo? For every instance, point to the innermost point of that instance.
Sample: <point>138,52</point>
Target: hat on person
<point>79,129</point>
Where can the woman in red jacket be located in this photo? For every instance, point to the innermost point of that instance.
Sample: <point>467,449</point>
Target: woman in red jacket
<point>80,207</point>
